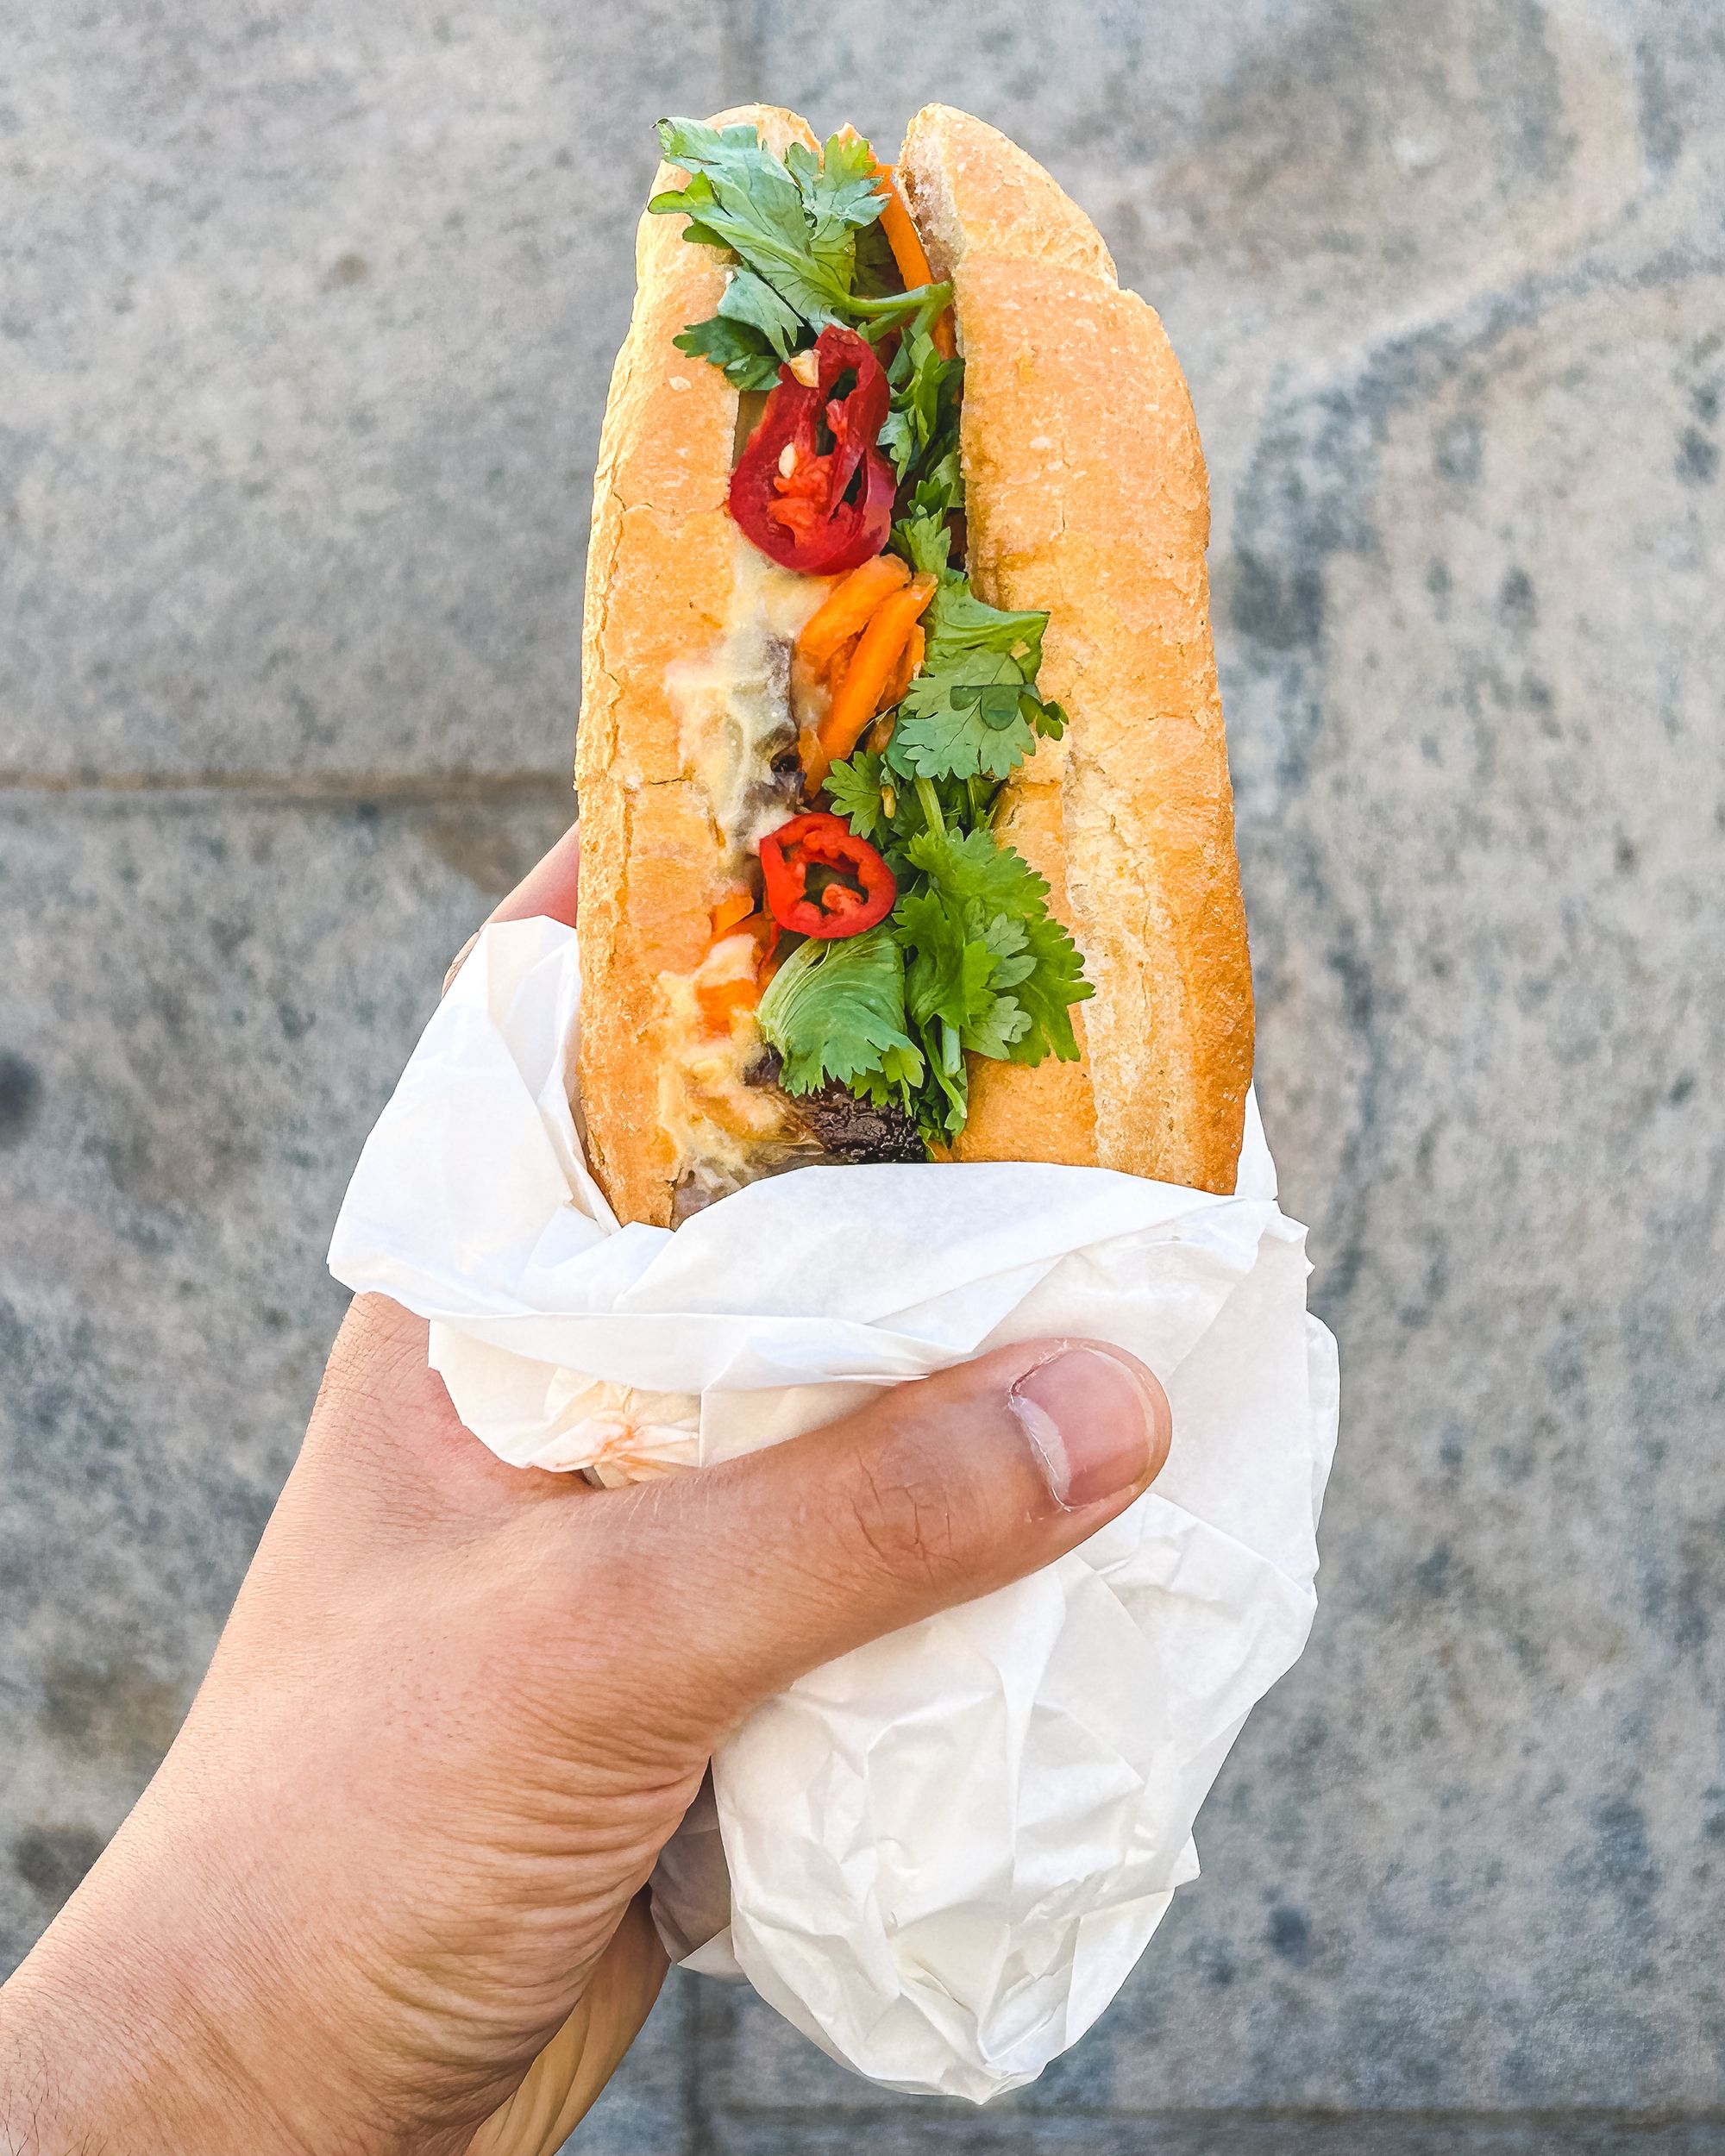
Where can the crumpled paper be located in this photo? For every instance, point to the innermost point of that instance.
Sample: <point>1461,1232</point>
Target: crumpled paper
<point>945,1850</point>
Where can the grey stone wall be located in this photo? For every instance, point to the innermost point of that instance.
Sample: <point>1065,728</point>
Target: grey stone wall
<point>305,320</point>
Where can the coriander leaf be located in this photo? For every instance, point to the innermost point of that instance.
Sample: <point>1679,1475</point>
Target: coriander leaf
<point>741,195</point>
<point>749,298</point>
<point>697,195</point>
<point>998,1030</point>
<point>939,490</point>
<point>960,623</point>
<point>843,186</point>
<point>854,788</point>
<point>1009,940</point>
<point>949,971</point>
<point>974,865</point>
<point>956,972</point>
<point>972,870</point>
<point>972,712</point>
<point>898,439</point>
<point>839,197</point>
<point>924,399</point>
<point>924,542</point>
<point>740,351</point>
<point>946,729</point>
<point>836,1010</point>
<point>1048,992</point>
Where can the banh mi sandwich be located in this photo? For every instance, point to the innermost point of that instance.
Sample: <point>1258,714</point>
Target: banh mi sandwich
<point>906,830</point>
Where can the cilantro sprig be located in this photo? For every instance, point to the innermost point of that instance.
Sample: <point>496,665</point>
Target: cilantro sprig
<point>836,1010</point>
<point>973,712</point>
<point>922,424</point>
<point>793,224</point>
<point>988,970</point>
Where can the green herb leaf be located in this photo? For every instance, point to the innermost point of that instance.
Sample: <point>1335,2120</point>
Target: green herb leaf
<point>750,299</point>
<point>995,895</point>
<point>926,543</point>
<point>841,186</point>
<point>939,490</point>
<point>946,729</point>
<point>836,1010</point>
<point>741,196</point>
<point>924,402</point>
<point>854,788</point>
<point>959,624</point>
<point>953,972</point>
<point>742,351</point>
<point>973,712</point>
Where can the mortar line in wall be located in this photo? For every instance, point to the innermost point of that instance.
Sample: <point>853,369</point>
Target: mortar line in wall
<point>338,788</point>
<point>1654,2118</point>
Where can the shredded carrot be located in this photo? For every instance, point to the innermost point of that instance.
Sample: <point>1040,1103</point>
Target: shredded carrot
<point>816,761</point>
<point>910,663</point>
<point>765,931</point>
<point>845,609</point>
<point>734,906</point>
<point>910,660</point>
<point>724,997</point>
<point>841,659</point>
<point>873,667</point>
<point>910,255</point>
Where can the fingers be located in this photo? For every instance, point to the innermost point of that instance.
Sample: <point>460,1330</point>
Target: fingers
<point>743,1576</point>
<point>567,2075</point>
<point>550,888</point>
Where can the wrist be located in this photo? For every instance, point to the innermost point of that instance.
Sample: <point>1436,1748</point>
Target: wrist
<point>92,2064</point>
<point>140,2024</point>
<point>127,2033</point>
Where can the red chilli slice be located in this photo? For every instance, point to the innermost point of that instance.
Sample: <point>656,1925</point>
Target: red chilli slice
<point>819,841</point>
<point>806,507</point>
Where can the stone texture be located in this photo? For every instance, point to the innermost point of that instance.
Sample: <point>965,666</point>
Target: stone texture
<point>207,1000</point>
<point>307,325</point>
<point>1002,2132</point>
<point>309,316</point>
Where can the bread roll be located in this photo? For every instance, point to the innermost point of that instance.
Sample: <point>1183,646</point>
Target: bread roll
<point>1086,496</point>
<point>669,578</point>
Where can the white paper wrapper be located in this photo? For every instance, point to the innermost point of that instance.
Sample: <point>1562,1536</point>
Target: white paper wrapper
<point>945,1852</point>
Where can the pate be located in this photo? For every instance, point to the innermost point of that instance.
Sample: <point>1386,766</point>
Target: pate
<point>738,738</point>
<point>733,705</point>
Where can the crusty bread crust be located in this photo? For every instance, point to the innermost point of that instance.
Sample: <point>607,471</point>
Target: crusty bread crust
<point>1086,496</point>
<point>661,569</point>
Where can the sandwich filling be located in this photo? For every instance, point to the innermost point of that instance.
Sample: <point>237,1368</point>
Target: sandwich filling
<point>855,728</point>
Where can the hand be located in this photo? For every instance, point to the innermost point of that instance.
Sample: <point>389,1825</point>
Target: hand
<point>458,1709</point>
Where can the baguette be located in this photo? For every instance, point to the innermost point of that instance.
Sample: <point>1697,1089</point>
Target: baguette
<point>1086,498</point>
<point>666,570</point>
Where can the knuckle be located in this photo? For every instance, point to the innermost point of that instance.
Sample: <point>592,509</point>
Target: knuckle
<point>906,1525</point>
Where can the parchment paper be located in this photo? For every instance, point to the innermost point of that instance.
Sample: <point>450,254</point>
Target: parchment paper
<point>945,1852</point>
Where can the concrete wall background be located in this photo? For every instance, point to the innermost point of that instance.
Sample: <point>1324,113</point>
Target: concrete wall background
<point>305,321</point>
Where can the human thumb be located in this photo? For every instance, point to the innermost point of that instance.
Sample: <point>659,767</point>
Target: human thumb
<point>746,1575</point>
